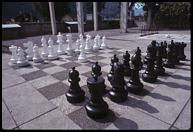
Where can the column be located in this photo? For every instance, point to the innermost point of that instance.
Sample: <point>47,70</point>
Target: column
<point>95,12</point>
<point>80,17</point>
<point>124,15</point>
<point>52,17</point>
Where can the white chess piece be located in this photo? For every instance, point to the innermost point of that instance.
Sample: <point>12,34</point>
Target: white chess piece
<point>36,58</point>
<point>69,46</point>
<point>87,45</point>
<point>98,41</point>
<point>82,57</point>
<point>52,53</point>
<point>77,50</point>
<point>103,45</point>
<point>21,61</point>
<point>29,49</point>
<point>13,50</point>
<point>81,39</point>
<point>44,52</point>
<point>95,46</point>
<point>60,41</point>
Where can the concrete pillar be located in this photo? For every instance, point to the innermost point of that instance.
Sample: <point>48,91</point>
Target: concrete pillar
<point>124,15</point>
<point>95,14</point>
<point>52,18</point>
<point>80,17</point>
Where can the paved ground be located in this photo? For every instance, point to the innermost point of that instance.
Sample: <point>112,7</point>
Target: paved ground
<point>34,98</point>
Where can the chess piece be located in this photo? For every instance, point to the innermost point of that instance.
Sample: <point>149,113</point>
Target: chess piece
<point>176,53</point>
<point>96,107</point>
<point>181,51</point>
<point>153,44</point>
<point>87,45</point>
<point>77,50</point>
<point>69,50</point>
<point>81,39</point>
<point>98,41</point>
<point>29,49</point>
<point>60,41</point>
<point>22,60</point>
<point>52,53</point>
<point>103,45</point>
<point>138,55</point>
<point>95,46</point>
<point>13,59</point>
<point>75,94</point>
<point>126,65</point>
<point>119,92</point>
<point>96,73</point>
<point>134,85</point>
<point>164,49</point>
<point>82,57</point>
<point>150,75</point>
<point>169,63</point>
<point>159,63</point>
<point>36,58</point>
<point>44,52</point>
<point>111,73</point>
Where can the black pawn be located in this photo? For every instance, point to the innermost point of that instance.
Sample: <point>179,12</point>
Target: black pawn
<point>150,75</point>
<point>164,49</point>
<point>118,93</point>
<point>96,107</point>
<point>110,74</point>
<point>134,85</point>
<point>75,94</point>
<point>159,63</point>
<point>138,54</point>
<point>169,63</point>
<point>153,44</point>
<point>126,65</point>
<point>181,51</point>
<point>176,53</point>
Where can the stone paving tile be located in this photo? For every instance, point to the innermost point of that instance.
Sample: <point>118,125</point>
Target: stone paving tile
<point>25,103</point>
<point>66,107</point>
<point>82,82</point>
<point>7,120</point>
<point>83,69</point>
<point>54,69</point>
<point>88,74</point>
<point>26,70</point>
<point>184,120</point>
<point>99,63</point>
<point>45,65</point>
<point>5,60</point>
<point>33,75</point>
<point>53,90</point>
<point>69,65</point>
<point>54,119</point>
<point>43,81</point>
<point>131,119</point>
<point>10,78</point>
<point>80,117</point>
<point>63,75</point>
<point>96,58</point>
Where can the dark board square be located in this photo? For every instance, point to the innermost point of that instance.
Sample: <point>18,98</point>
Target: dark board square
<point>72,58</point>
<point>61,75</point>
<point>34,75</point>
<point>88,74</point>
<point>96,58</point>
<point>97,53</point>
<point>116,52</point>
<point>92,63</point>
<point>45,65</point>
<point>80,117</point>
<point>69,65</point>
<point>54,90</point>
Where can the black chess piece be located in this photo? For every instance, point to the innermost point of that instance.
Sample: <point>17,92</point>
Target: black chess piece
<point>176,53</point>
<point>96,73</point>
<point>119,92</point>
<point>159,63</point>
<point>138,55</point>
<point>134,85</point>
<point>153,44</point>
<point>164,49</point>
<point>96,107</point>
<point>75,94</point>
<point>150,75</point>
<point>181,51</point>
<point>126,65</point>
<point>110,74</point>
<point>169,63</point>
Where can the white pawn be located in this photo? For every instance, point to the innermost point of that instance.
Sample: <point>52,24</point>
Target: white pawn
<point>29,49</point>
<point>98,41</point>
<point>103,45</point>
<point>60,41</point>
<point>77,50</point>
<point>82,57</point>
<point>13,59</point>
<point>87,45</point>
<point>69,46</point>
<point>36,58</point>
<point>44,52</point>
<point>52,53</point>
<point>21,61</point>
<point>95,46</point>
<point>81,39</point>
